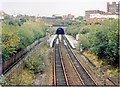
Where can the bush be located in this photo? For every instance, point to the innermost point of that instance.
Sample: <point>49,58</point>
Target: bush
<point>84,41</point>
<point>84,30</point>
<point>10,42</point>
<point>16,38</point>
<point>102,40</point>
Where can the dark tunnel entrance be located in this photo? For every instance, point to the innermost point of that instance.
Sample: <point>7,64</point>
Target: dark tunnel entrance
<point>60,31</point>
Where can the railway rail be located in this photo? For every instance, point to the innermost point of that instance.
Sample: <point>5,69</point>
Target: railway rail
<point>86,77</point>
<point>72,74</point>
<point>67,68</point>
<point>59,72</point>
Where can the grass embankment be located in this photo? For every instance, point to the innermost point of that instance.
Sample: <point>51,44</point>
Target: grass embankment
<point>23,77</point>
<point>26,77</point>
<point>33,65</point>
<point>111,72</point>
<point>97,62</point>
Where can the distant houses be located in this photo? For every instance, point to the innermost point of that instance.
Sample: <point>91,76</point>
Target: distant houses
<point>97,16</point>
<point>59,17</point>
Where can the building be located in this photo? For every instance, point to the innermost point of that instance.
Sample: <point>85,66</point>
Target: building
<point>97,16</point>
<point>88,12</point>
<point>49,18</point>
<point>57,16</point>
<point>112,8</point>
<point>68,17</point>
<point>63,17</point>
<point>104,16</point>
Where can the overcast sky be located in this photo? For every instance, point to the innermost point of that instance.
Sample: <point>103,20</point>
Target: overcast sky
<point>49,7</point>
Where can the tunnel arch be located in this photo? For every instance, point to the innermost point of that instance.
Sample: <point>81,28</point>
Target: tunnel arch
<point>60,31</point>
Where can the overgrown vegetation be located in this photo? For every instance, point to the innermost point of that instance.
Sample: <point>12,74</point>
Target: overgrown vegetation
<point>101,39</point>
<point>24,78</point>
<point>36,61</point>
<point>18,33</point>
<point>34,64</point>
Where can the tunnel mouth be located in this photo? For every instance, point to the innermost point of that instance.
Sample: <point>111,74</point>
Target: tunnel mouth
<point>60,31</point>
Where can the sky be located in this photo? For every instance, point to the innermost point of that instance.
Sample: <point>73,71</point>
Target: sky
<point>50,7</point>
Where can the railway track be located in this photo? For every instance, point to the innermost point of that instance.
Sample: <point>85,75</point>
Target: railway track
<point>97,80</point>
<point>86,77</point>
<point>72,74</point>
<point>67,69</point>
<point>59,72</point>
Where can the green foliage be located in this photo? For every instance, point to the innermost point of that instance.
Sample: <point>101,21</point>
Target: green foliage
<point>102,40</point>
<point>26,37</point>
<point>106,43</point>
<point>16,38</point>
<point>32,64</point>
<point>99,43</point>
<point>84,30</point>
<point>36,62</point>
<point>73,30</point>
<point>84,40</point>
<point>10,42</point>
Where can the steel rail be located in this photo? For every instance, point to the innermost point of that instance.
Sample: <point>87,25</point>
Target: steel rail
<point>88,80</point>
<point>59,73</point>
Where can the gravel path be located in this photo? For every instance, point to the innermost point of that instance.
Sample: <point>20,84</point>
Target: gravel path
<point>39,79</point>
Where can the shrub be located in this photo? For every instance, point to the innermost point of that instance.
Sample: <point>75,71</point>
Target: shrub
<point>16,38</point>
